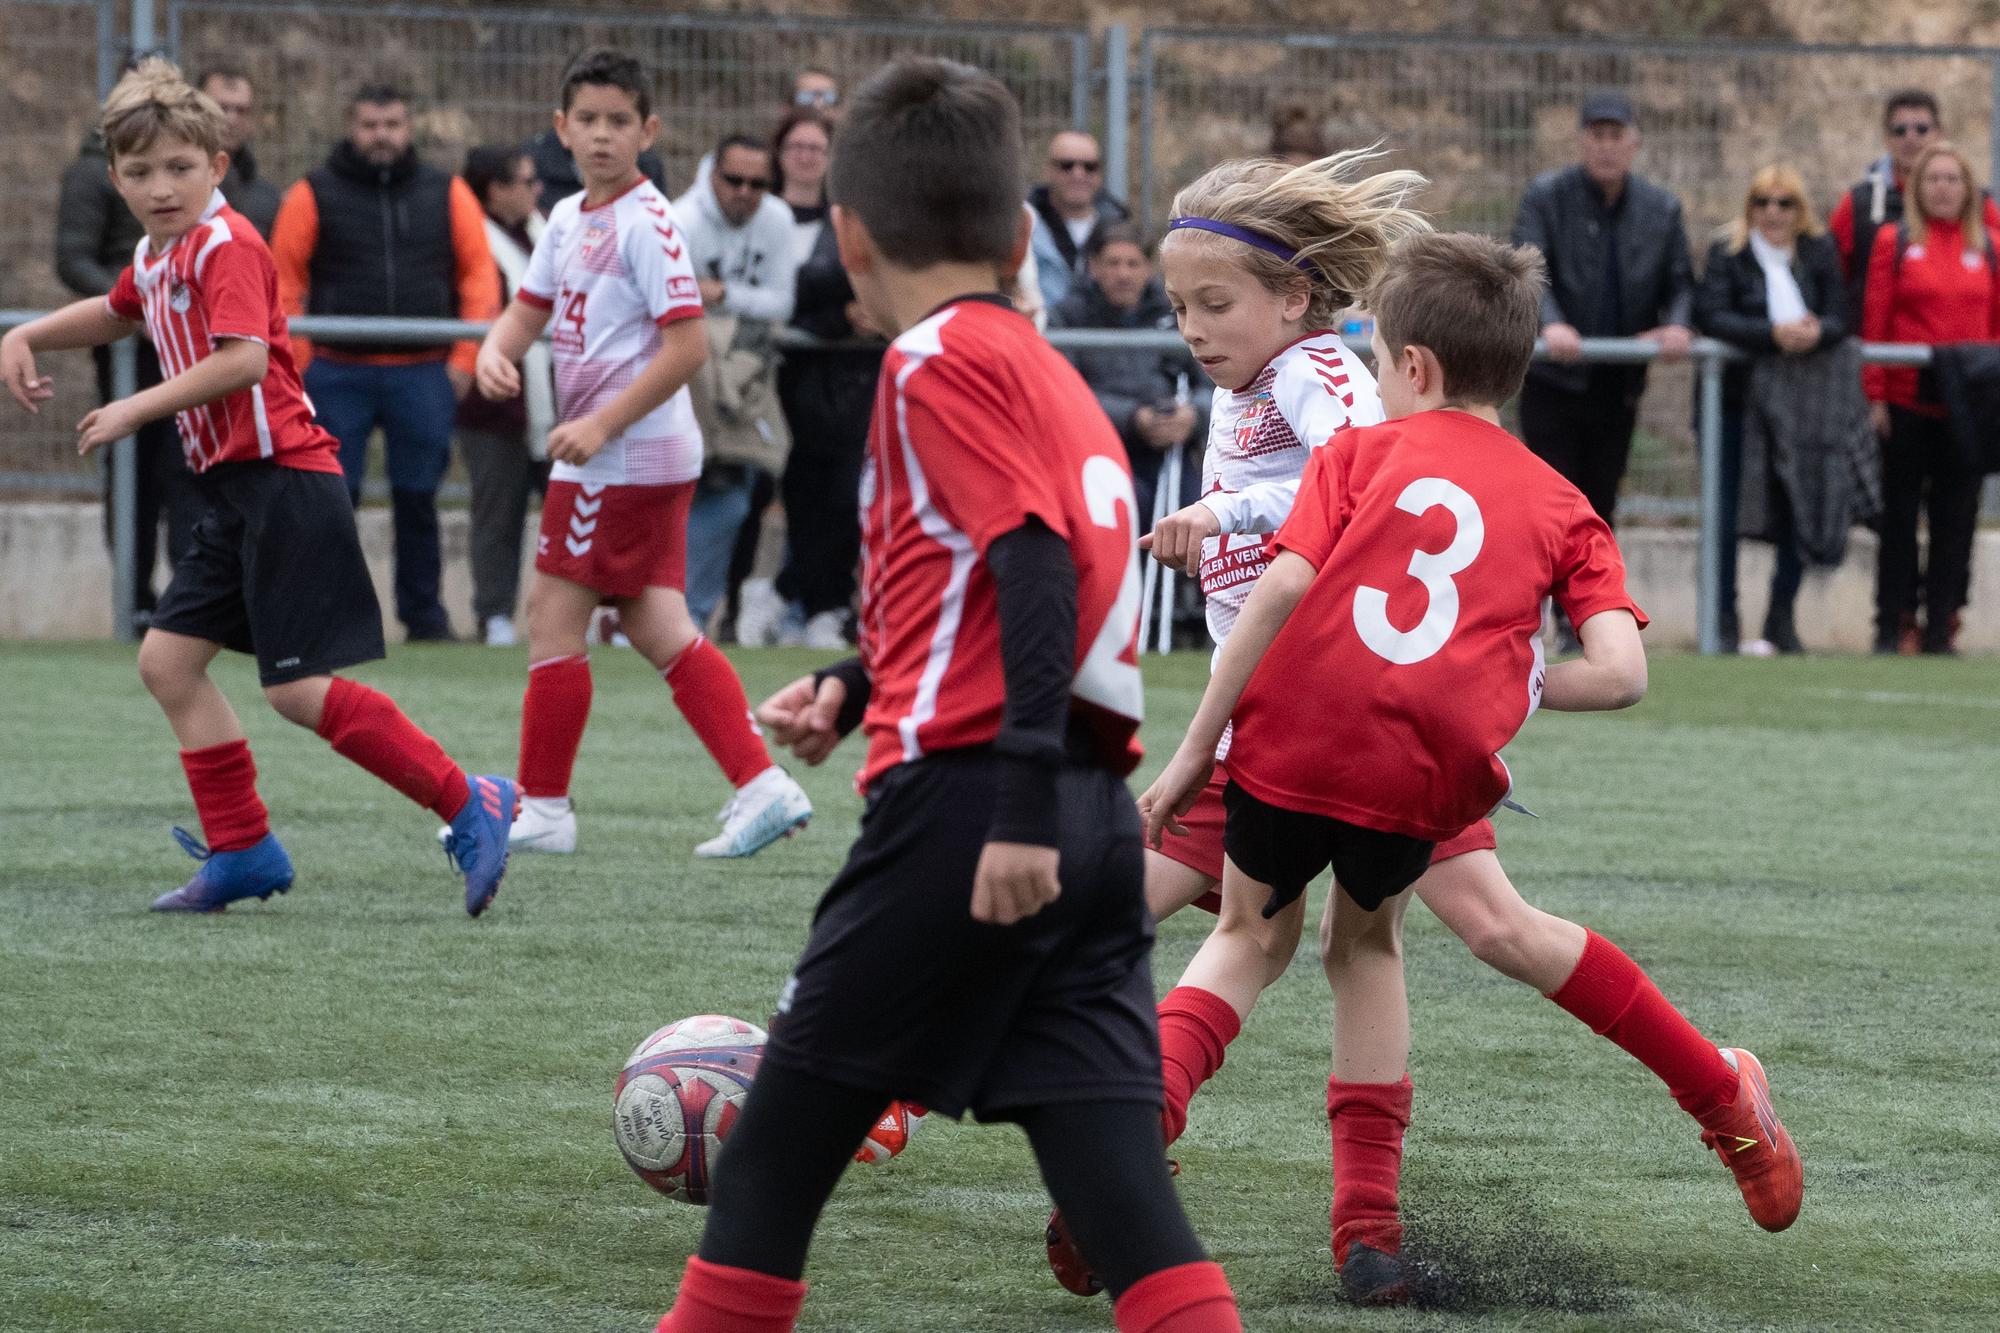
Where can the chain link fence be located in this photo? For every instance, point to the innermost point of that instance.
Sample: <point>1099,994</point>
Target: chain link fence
<point>1481,117</point>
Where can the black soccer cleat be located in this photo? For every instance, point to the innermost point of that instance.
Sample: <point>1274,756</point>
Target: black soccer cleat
<point>1372,1277</point>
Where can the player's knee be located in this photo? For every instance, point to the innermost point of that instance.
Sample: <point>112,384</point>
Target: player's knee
<point>165,677</point>
<point>297,701</point>
<point>1348,935</point>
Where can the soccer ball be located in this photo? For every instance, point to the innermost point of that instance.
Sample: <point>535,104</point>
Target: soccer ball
<point>678,1097</point>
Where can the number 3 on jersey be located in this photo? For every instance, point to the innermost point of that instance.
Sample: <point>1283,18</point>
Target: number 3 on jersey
<point>1433,569</point>
<point>1109,676</point>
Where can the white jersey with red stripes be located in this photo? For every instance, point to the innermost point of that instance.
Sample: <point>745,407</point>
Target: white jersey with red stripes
<point>1259,437</point>
<point>212,284</point>
<point>611,276</point>
<point>979,427</point>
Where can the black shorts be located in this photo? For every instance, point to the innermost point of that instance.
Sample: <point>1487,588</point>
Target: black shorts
<point>276,570</point>
<point>1287,850</point>
<point>900,991</point>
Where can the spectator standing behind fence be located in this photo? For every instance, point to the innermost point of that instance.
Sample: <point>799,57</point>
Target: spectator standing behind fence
<point>827,397</point>
<point>1618,263</point>
<point>1911,122</point>
<point>1932,279</point>
<point>1771,287</point>
<point>1145,392</point>
<point>740,241</point>
<point>96,237</point>
<point>376,231</point>
<point>1296,138</point>
<point>248,192</point>
<point>1069,204</point>
<point>505,443</point>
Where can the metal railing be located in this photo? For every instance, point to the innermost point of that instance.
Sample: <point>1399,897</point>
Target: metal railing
<point>1708,356</point>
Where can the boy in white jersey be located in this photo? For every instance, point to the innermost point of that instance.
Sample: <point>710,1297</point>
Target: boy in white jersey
<point>612,273</point>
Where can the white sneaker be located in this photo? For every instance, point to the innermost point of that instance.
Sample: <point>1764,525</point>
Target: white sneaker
<point>827,631</point>
<point>758,611</point>
<point>545,824</point>
<point>768,807</point>
<point>500,632</point>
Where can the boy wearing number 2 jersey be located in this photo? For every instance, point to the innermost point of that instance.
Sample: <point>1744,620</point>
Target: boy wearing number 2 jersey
<point>1406,589</point>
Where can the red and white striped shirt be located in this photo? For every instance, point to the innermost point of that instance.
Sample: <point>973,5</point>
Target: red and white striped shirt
<point>980,426</point>
<point>217,281</point>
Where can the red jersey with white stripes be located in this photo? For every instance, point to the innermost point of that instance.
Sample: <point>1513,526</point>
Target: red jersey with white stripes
<point>980,426</point>
<point>217,281</point>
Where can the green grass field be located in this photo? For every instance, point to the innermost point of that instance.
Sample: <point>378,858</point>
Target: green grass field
<point>353,1108</point>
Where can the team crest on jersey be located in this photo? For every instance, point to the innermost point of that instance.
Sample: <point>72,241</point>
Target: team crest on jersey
<point>1246,425</point>
<point>179,297</point>
<point>598,232</point>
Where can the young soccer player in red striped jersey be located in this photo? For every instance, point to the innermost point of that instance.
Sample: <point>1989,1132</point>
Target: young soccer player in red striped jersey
<point>1382,661</point>
<point>986,947</point>
<point>612,272</point>
<point>277,568</point>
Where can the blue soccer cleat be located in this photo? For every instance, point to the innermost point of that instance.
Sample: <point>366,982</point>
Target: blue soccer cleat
<point>256,871</point>
<point>477,842</point>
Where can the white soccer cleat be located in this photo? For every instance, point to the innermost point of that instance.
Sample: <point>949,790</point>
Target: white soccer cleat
<point>500,632</point>
<point>768,807</point>
<point>545,824</point>
<point>759,611</point>
<point>827,631</point>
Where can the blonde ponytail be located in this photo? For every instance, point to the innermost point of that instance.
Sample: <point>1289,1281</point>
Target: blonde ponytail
<point>1339,228</point>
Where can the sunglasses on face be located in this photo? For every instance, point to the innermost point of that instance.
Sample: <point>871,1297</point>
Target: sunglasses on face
<point>744,182</point>
<point>824,97</point>
<point>1083,164</point>
<point>1773,201</point>
<point>1905,129</point>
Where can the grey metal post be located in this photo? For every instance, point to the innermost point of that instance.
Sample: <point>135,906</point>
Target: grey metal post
<point>145,33</point>
<point>1079,82</point>
<point>107,46</point>
<point>1708,570</point>
<point>1117,112</point>
<point>124,497</point>
<point>1146,58</point>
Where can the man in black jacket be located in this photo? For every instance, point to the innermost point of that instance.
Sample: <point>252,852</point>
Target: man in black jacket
<point>247,192</point>
<point>376,231</point>
<point>96,236</point>
<point>1618,262</point>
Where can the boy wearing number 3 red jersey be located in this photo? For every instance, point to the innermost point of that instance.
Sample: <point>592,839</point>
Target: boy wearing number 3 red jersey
<point>1383,660</point>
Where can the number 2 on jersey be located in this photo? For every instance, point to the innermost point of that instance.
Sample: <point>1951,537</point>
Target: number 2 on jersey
<point>1106,678</point>
<point>1433,569</point>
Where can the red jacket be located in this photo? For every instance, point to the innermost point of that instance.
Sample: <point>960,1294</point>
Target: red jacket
<point>1939,292</point>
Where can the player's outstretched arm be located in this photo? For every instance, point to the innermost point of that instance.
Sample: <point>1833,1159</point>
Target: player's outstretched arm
<point>683,350</point>
<point>498,369</point>
<point>85,323</point>
<point>1610,674</point>
<point>235,364</point>
<point>1271,603</point>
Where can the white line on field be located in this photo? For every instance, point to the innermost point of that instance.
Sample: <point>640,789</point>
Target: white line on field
<point>1903,697</point>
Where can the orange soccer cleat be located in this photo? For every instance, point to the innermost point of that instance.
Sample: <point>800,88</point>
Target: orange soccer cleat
<point>890,1133</point>
<point>1751,1142</point>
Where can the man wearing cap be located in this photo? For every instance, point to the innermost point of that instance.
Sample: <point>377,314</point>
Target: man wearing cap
<point>1618,262</point>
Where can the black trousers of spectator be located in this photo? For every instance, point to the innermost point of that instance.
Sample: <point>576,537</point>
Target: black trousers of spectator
<point>828,408</point>
<point>504,474</point>
<point>164,488</point>
<point>1585,436</point>
<point>1923,469</point>
<point>1788,573</point>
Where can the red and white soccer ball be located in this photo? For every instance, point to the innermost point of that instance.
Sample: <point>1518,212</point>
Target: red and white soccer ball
<point>678,1097</point>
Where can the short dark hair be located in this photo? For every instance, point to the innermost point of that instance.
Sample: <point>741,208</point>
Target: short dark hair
<point>1911,99</point>
<point>1107,234</point>
<point>225,70</point>
<point>605,68</point>
<point>750,141</point>
<point>1473,301</point>
<point>380,92</point>
<point>491,164</point>
<point>929,159</point>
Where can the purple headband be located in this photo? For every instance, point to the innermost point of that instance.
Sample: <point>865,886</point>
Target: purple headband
<point>1258,239</point>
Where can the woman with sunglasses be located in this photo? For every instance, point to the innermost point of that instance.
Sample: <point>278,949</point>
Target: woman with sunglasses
<point>1933,279</point>
<point>1771,287</point>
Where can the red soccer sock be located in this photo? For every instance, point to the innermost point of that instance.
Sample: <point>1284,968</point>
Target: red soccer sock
<point>365,726</point>
<point>715,1298</point>
<point>553,714</point>
<point>223,779</point>
<point>1368,1121</point>
<point>711,698</point>
<point>1613,996</point>
<point>1187,1298</point>
<point>1196,1026</point>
